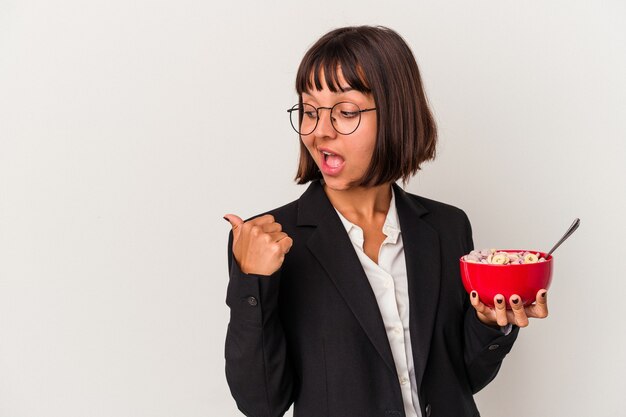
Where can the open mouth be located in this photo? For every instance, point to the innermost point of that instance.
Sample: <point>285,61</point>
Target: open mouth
<point>332,160</point>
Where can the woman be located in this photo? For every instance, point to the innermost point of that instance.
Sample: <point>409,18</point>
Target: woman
<point>348,301</point>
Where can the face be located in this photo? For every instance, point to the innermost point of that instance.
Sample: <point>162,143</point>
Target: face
<point>342,159</point>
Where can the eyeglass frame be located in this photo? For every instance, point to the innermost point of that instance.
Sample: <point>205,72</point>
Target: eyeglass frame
<point>292,109</point>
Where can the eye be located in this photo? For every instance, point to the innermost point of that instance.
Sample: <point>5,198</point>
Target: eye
<point>349,114</point>
<point>347,110</point>
<point>309,111</point>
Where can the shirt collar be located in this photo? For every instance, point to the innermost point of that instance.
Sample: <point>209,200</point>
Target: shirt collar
<point>391,227</point>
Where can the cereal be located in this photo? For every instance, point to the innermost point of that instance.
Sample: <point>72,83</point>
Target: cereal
<point>495,257</point>
<point>531,258</point>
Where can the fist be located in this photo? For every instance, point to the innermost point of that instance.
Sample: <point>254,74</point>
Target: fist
<point>259,245</point>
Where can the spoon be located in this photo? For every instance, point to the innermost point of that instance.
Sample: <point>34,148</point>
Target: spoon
<point>567,234</point>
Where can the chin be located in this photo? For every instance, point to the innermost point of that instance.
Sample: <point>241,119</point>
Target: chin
<point>337,184</point>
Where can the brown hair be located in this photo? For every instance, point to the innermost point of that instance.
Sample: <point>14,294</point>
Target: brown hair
<point>374,60</point>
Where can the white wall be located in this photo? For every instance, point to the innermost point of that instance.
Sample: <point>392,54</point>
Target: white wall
<point>127,129</point>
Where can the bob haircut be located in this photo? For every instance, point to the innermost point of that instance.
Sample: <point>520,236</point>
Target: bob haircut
<point>374,60</point>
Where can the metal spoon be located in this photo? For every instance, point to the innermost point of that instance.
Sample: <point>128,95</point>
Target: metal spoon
<point>567,234</point>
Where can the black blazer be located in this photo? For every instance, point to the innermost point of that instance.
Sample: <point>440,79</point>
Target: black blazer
<point>312,333</point>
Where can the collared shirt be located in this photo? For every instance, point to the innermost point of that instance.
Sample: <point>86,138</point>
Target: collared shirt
<point>388,279</point>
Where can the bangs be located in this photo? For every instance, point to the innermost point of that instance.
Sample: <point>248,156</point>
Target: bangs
<point>325,65</point>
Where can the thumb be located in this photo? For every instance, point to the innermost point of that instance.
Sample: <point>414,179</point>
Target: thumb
<point>236,222</point>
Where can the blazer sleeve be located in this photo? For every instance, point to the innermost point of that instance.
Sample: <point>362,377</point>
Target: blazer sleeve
<point>485,346</point>
<point>258,370</point>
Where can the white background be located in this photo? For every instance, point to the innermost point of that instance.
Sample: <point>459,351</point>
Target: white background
<point>129,128</point>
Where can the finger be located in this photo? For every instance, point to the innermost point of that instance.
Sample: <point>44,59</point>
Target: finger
<point>285,244</point>
<point>235,222</point>
<point>271,227</point>
<point>540,308</point>
<point>519,313</point>
<point>500,304</point>
<point>479,306</point>
<point>261,220</point>
<point>277,236</point>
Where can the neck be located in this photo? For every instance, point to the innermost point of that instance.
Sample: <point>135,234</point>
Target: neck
<point>361,203</point>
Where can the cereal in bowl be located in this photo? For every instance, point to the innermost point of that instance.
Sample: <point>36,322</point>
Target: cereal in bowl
<point>495,257</point>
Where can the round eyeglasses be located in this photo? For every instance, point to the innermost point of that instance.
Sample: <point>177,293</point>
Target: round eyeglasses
<point>344,116</point>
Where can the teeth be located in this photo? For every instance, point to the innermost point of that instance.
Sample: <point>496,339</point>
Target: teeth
<point>327,153</point>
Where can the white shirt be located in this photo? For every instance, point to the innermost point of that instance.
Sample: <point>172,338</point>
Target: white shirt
<point>388,280</point>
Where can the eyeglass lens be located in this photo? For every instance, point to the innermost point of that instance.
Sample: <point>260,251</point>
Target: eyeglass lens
<point>344,116</point>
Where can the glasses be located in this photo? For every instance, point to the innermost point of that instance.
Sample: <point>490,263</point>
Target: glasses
<point>344,116</point>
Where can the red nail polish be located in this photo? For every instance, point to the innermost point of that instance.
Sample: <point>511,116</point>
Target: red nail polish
<point>515,301</point>
<point>499,301</point>
<point>543,295</point>
<point>473,294</point>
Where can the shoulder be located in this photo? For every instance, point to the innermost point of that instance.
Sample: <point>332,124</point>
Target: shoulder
<point>313,198</point>
<point>449,221</point>
<point>438,210</point>
<point>285,213</point>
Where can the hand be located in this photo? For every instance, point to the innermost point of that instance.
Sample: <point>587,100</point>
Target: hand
<point>519,314</point>
<point>259,245</point>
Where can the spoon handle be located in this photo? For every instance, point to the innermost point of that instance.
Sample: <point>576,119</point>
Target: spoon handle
<point>567,234</point>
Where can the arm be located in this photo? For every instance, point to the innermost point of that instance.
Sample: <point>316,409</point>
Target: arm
<point>485,349</point>
<point>257,365</point>
<point>485,345</point>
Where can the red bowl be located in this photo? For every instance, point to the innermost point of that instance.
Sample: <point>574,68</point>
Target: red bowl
<point>489,280</point>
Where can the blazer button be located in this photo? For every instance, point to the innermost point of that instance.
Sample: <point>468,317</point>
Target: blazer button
<point>428,408</point>
<point>494,347</point>
<point>253,302</point>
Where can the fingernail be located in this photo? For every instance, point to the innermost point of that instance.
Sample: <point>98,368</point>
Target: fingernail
<point>515,300</point>
<point>473,294</point>
<point>543,294</point>
<point>499,300</point>
<point>226,219</point>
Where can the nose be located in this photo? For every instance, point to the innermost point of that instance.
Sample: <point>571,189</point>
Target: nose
<point>324,126</point>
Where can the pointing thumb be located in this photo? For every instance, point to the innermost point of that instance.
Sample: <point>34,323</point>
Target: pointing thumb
<point>236,222</point>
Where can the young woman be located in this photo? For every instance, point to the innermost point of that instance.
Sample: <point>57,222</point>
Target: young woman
<point>348,301</point>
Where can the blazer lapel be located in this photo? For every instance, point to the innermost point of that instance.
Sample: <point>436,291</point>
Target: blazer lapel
<point>332,247</point>
<point>421,252</point>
